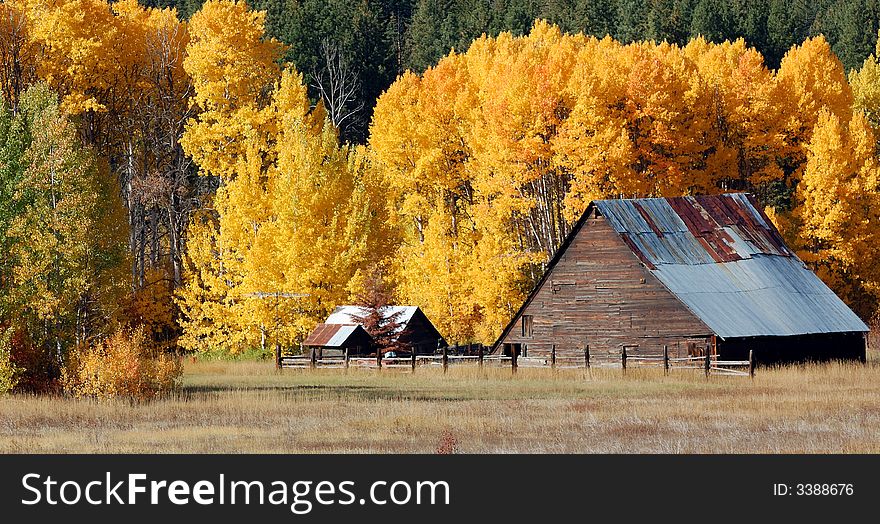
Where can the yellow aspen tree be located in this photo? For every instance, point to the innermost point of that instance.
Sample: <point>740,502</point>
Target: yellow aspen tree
<point>17,52</point>
<point>78,40</point>
<point>839,209</point>
<point>419,141</point>
<point>232,65</point>
<point>520,85</point>
<point>645,134</point>
<point>865,84</point>
<point>811,78</point>
<point>297,217</point>
<point>518,212</point>
<point>747,120</point>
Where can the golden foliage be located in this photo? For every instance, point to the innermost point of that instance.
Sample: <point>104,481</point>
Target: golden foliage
<point>865,83</point>
<point>9,372</point>
<point>121,366</point>
<point>151,307</point>
<point>811,79</point>
<point>839,209</point>
<point>492,154</point>
<point>18,51</point>
<point>297,215</point>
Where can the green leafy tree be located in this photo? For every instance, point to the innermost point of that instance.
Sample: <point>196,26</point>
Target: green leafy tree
<point>63,229</point>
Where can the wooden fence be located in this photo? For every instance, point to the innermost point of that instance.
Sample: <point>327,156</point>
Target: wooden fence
<point>709,364</point>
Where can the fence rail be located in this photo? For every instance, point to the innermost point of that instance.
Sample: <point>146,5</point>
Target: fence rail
<point>709,363</point>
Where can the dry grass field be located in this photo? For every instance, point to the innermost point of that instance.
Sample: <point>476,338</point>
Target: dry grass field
<point>231,407</point>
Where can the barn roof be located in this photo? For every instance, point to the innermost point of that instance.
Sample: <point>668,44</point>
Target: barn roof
<point>332,335</point>
<point>723,258</point>
<point>347,314</point>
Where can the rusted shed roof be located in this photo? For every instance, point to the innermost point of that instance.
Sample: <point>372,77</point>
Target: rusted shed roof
<point>724,259</point>
<point>332,335</point>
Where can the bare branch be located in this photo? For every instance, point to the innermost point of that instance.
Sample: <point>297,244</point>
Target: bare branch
<point>338,84</point>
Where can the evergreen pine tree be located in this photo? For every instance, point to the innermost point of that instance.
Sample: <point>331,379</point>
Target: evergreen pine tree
<point>375,302</point>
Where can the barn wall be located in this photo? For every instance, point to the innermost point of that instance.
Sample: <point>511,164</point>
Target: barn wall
<point>599,293</point>
<point>801,348</point>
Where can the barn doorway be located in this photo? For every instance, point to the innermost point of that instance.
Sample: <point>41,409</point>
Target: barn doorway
<point>510,348</point>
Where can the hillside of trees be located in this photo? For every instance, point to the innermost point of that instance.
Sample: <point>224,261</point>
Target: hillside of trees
<point>219,189</point>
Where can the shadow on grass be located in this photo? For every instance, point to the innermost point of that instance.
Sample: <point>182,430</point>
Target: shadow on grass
<point>343,392</point>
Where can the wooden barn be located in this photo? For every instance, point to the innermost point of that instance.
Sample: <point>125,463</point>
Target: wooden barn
<point>416,333</point>
<point>333,339</point>
<point>690,273</point>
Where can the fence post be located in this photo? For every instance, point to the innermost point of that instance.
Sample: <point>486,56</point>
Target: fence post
<point>707,361</point>
<point>345,358</point>
<point>313,358</point>
<point>587,356</point>
<point>665,360</point>
<point>445,358</point>
<point>623,358</point>
<point>480,355</point>
<point>553,356</point>
<point>413,361</point>
<point>379,358</point>
<point>514,353</point>
<point>751,364</point>
<point>277,355</point>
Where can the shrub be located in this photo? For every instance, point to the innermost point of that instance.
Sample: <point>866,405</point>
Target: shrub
<point>123,365</point>
<point>37,369</point>
<point>9,372</point>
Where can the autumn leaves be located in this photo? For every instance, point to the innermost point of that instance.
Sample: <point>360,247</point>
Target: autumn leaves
<point>494,152</point>
<point>297,213</point>
<point>472,175</point>
<point>476,169</point>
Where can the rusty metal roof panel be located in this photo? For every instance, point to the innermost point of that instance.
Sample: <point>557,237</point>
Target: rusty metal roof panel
<point>724,259</point>
<point>331,335</point>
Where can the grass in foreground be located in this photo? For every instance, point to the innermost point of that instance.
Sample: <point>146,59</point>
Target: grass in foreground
<point>227,407</point>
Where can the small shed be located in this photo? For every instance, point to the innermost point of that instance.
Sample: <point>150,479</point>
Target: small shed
<point>416,333</point>
<point>689,273</point>
<point>334,339</point>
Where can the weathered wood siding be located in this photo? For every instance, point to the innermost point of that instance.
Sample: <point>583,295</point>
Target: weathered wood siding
<point>599,294</point>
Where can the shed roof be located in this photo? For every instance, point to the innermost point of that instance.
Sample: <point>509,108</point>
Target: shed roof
<point>347,314</point>
<point>332,335</point>
<point>723,258</point>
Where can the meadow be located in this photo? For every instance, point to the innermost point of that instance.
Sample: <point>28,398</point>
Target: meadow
<point>247,406</point>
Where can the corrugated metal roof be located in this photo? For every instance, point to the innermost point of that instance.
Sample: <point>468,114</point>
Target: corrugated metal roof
<point>724,259</point>
<point>331,335</point>
<point>346,314</point>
